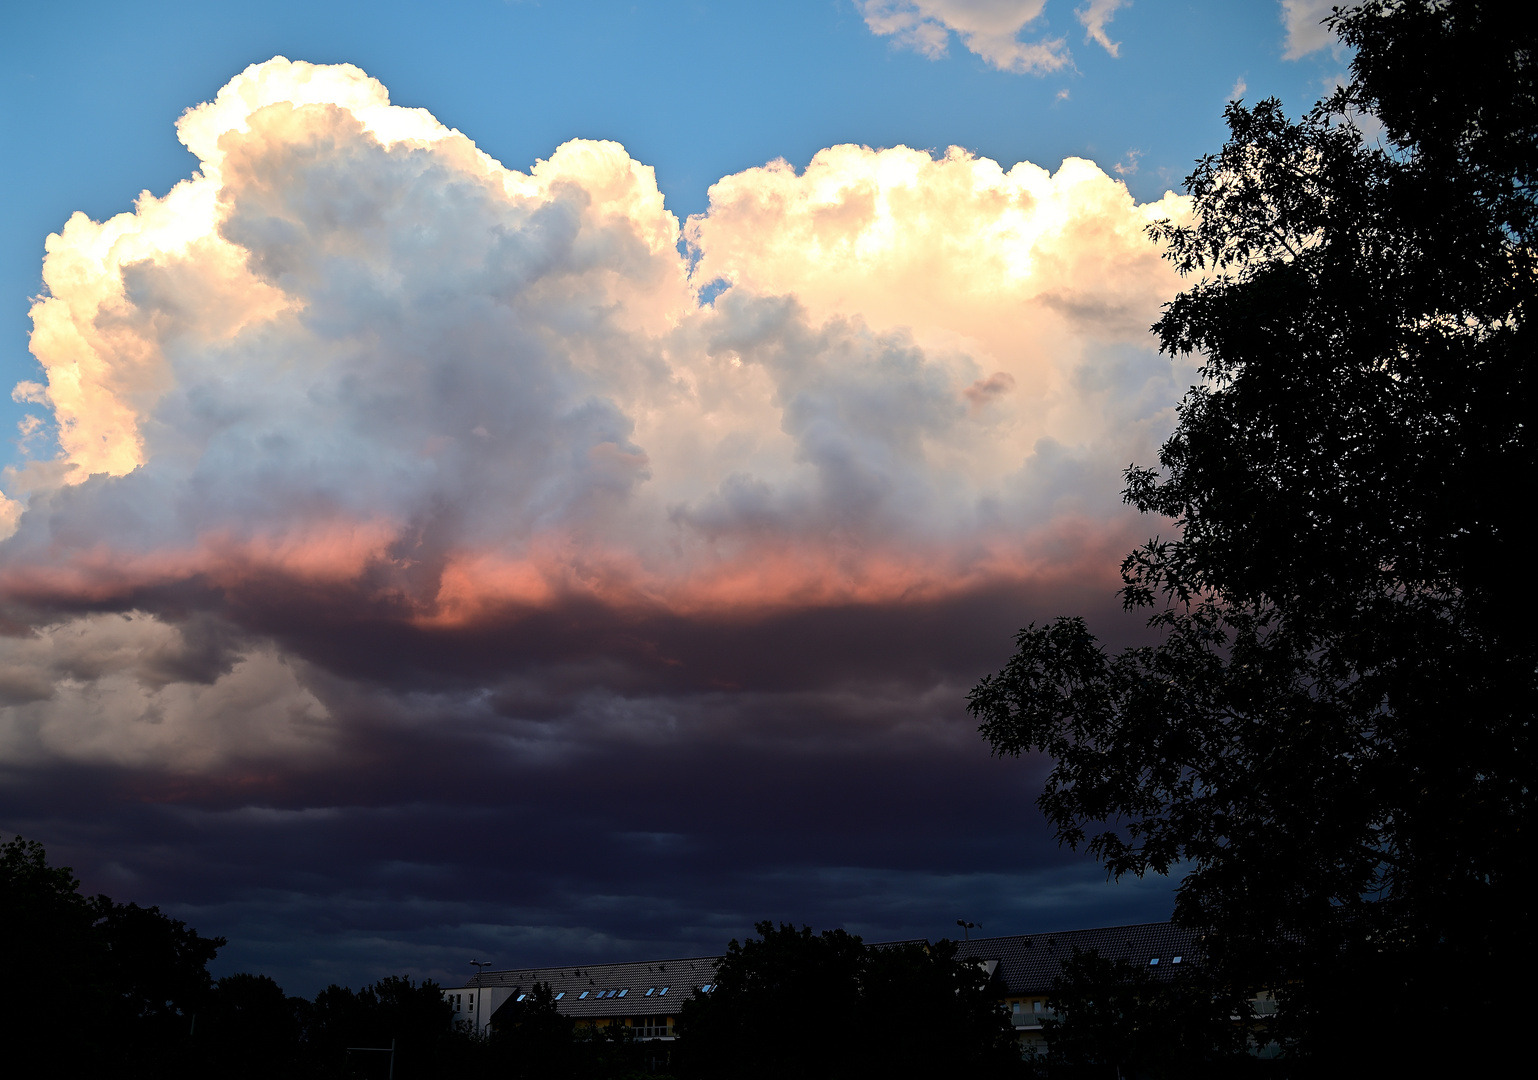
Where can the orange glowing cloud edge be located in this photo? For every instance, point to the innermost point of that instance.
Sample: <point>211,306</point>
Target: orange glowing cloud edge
<point>767,578</point>
<point>482,587</point>
<point>330,553</point>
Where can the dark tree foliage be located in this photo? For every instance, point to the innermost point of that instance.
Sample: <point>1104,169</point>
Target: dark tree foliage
<point>414,1016</point>
<point>932,1012</point>
<point>91,980</point>
<point>1114,1018</point>
<point>612,1052</point>
<point>1334,732</point>
<point>48,946</point>
<point>151,974</point>
<point>796,1004</point>
<point>783,1007</point>
<point>531,1039</point>
<point>248,1028</point>
<point>93,987</point>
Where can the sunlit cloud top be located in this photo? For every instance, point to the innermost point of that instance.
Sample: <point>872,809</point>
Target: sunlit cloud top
<point>354,356</point>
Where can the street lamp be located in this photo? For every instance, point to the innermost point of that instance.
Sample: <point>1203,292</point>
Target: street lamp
<point>967,928</point>
<point>480,967</point>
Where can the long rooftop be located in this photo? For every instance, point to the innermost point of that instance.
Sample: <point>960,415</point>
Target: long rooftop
<point>1023,964</point>
<point>594,990</point>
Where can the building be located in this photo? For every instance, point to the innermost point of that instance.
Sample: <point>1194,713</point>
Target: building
<point>646,996</point>
<point>1023,966</point>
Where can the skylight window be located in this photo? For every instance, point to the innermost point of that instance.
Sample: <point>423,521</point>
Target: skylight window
<point>583,995</point>
<point>649,991</point>
<point>522,996</point>
<point>559,996</point>
<point>1154,962</point>
<point>623,992</point>
<point>1176,960</point>
<point>662,991</point>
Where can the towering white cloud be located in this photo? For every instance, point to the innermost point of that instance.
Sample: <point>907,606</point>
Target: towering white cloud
<point>1007,288</point>
<point>355,363</point>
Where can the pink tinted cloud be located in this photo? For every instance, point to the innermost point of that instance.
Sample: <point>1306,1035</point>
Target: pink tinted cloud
<point>354,364</point>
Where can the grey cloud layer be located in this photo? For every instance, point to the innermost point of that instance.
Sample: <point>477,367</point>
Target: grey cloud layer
<point>394,479</point>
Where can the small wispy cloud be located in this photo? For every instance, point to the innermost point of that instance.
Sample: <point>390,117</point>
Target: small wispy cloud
<point>27,428</point>
<point>1128,165</point>
<point>1062,95</point>
<point>989,29</point>
<point>1095,15</point>
<point>1240,86</point>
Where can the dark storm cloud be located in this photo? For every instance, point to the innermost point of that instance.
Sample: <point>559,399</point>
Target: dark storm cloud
<point>427,570</point>
<point>434,851</point>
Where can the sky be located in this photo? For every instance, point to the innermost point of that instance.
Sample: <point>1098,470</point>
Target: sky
<point>535,482</point>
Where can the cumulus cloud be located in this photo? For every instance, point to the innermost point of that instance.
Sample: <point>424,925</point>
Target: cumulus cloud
<point>989,28</point>
<point>431,541</point>
<point>131,690</point>
<point>1306,32</point>
<point>355,375</point>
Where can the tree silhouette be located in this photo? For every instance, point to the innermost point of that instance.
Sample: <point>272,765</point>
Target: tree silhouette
<point>1334,732</point>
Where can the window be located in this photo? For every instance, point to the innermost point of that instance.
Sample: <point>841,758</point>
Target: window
<point>623,992</point>
<point>662,991</point>
<point>651,1027</point>
<point>583,995</point>
<point>1154,962</point>
<point>522,996</point>
<point>1176,960</point>
<point>649,991</point>
<point>707,988</point>
<point>559,996</point>
<point>1035,1006</point>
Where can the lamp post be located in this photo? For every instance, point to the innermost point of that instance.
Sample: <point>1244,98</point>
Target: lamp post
<point>480,967</point>
<point>967,928</point>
